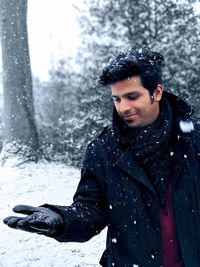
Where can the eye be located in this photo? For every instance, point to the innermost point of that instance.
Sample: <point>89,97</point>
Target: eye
<point>133,97</point>
<point>116,99</point>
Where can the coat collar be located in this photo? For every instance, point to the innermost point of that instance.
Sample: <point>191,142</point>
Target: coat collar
<point>181,109</point>
<point>130,165</point>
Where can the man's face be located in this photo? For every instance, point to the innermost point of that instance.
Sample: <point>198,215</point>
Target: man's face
<point>133,102</point>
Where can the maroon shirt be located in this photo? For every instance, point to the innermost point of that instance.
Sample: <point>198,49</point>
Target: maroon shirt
<point>171,250</point>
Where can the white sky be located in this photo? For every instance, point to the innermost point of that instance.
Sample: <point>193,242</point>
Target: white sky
<point>53,32</point>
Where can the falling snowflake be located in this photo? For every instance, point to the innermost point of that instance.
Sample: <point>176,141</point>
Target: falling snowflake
<point>186,126</point>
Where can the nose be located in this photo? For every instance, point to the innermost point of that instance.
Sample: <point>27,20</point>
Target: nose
<point>125,106</point>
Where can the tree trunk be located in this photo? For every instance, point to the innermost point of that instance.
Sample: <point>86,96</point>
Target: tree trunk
<point>20,133</point>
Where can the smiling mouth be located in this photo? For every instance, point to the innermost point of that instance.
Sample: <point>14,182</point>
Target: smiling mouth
<point>129,116</point>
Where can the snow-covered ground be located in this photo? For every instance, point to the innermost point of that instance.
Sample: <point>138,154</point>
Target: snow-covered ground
<point>36,184</point>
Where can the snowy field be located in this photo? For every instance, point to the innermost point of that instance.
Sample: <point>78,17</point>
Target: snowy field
<point>36,184</point>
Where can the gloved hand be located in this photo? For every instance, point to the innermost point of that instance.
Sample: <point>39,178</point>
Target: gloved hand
<point>40,220</point>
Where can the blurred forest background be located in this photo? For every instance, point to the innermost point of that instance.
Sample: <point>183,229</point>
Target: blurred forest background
<point>70,109</point>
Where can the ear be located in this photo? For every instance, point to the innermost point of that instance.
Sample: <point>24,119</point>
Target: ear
<point>158,92</point>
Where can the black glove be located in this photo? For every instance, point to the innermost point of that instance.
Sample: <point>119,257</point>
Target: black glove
<point>40,220</point>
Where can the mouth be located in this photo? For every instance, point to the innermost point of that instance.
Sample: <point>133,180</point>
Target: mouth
<point>127,117</point>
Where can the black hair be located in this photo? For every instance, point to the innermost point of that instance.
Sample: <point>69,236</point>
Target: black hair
<point>144,63</point>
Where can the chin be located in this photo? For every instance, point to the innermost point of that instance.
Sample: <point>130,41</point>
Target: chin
<point>133,125</point>
<point>136,126</point>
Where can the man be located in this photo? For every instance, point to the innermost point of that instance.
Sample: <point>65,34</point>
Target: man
<point>140,176</point>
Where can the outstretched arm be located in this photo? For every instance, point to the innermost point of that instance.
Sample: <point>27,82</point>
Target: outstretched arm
<point>79,222</point>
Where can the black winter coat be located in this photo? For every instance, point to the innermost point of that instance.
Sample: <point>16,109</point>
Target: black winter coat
<point>114,191</point>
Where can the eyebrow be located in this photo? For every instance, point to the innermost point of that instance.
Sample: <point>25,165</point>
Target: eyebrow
<point>127,94</point>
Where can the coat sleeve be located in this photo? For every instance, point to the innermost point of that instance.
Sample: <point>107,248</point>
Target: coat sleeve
<point>86,217</point>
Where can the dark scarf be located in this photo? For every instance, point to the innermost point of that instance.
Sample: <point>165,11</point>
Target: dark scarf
<point>152,146</point>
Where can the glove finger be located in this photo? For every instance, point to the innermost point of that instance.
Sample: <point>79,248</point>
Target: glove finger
<point>12,221</point>
<point>5,220</point>
<point>39,225</point>
<point>24,225</point>
<point>31,227</point>
<point>25,209</point>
